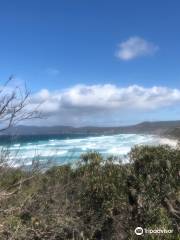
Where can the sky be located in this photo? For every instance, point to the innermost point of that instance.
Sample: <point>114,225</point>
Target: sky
<point>90,62</point>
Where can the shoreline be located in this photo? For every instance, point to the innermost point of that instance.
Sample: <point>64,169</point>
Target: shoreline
<point>168,141</point>
<point>71,149</point>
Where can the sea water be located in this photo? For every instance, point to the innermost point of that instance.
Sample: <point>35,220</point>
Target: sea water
<point>68,148</point>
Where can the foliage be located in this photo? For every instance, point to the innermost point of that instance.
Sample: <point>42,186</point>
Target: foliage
<point>97,199</point>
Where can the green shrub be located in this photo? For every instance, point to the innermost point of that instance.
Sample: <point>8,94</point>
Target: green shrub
<point>96,200</point>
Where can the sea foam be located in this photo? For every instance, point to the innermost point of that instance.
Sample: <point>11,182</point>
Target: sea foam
<point>69,150</point>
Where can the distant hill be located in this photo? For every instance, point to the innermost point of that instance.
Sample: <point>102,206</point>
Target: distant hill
<point>171,128</point>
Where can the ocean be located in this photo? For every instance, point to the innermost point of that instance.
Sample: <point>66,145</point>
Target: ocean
<point>63,149</point>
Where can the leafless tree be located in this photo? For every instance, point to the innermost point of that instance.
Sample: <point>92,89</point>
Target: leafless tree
<point>14,103</point>
<point>13,106</point>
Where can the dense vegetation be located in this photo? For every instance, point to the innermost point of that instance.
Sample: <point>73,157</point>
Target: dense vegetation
<point>97,199</point>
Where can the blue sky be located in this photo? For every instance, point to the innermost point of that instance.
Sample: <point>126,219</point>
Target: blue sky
<point>60,45</point>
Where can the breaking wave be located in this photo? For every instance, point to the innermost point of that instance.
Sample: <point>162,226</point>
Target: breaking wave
<point>66,150</point>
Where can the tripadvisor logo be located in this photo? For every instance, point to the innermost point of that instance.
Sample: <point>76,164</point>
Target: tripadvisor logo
<point>140,231</point>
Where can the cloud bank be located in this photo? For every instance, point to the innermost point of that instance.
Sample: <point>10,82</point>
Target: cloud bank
<point>135,47</point>
<point>83,104</point>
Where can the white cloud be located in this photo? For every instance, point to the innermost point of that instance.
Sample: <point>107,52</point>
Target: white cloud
<point>52,71</point>
<point>84,104</point>
<point>135,47</point>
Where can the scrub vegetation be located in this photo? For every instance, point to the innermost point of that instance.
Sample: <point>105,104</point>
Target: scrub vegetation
<point>97,199</point>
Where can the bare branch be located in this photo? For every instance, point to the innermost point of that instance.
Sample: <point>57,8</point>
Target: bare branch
<point>13,106</point>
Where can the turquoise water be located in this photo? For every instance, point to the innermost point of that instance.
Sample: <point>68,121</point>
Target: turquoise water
<point>65,149</point>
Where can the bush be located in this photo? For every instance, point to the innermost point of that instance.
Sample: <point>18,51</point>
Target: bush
<point>98,199</point>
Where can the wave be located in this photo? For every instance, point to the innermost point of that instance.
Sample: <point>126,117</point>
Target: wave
<point>68,150</point>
